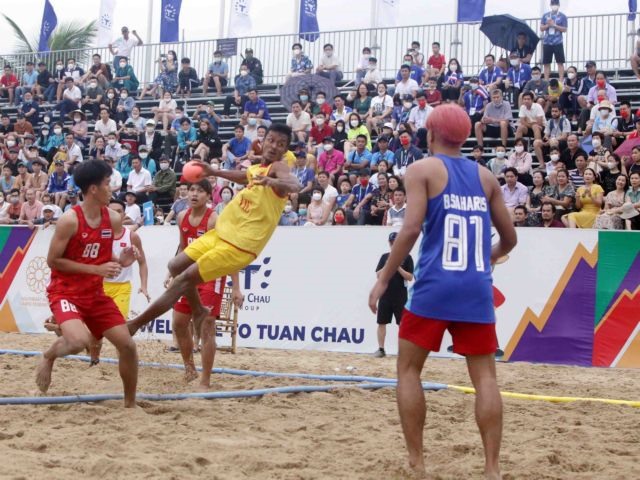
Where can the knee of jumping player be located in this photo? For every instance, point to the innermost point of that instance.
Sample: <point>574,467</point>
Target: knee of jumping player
<point>127,347</point>
<point>208,328</point>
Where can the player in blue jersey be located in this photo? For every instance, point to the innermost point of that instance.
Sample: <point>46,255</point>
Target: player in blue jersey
<point>452,202</point>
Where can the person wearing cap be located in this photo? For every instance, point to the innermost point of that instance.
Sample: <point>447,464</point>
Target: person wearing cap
<point>124,45</point>
<point>254,65</point>
<point>392,301</point>
<point>473,98</point>
<point>38,180</point>
<point>59,184</point>
<point>72,197</point>
<point>30,109</point>
<point>152,139</point>
<point>129,134</point>
<point>12,160</point>
<point>47,217</point>
<point>8,84</point>
<point>218,73</point>
<point>605,123</point>
<point>524,51</point>
<point>187,78</point>
<point>22,127</point>
<point>553,24</point>
<point>382,153</point>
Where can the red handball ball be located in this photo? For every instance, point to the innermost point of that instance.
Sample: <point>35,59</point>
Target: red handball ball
<point>193,172</point>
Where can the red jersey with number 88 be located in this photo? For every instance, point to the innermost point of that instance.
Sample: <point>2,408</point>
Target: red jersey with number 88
<point>91,246</point>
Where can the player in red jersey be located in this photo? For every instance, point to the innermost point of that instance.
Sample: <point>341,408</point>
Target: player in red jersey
<point>80,256</point>
<point>193,223</point>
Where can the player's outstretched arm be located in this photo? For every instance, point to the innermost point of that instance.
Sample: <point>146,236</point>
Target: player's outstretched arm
<point>500,216</point>
<point>142,264</point>
<point>280,179</point>
<point>66,228</point>
<point>235,176</point>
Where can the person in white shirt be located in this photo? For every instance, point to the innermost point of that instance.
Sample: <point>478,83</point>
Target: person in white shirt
<point>395,214</point>
<point>380,109</point>
<point>299,121</point>
<point>123,46</point>
<point>532,119</point>
<point>329,197</point>
<point>418,119</point>
<point>330,66</point>
<point>115,182</point>
<point>133,214</point>
<point>70,99</point>
<point>74,152</point>
<point>105,125</point>
<point>373,76</point>
<point>139,179</point>
<point>363,63</point>
<point>407,85</point>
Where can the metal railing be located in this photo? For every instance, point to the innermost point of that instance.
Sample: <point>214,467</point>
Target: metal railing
<point>603,38</point>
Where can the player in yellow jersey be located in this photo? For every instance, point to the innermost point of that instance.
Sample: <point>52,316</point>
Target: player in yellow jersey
<point>243,229</point>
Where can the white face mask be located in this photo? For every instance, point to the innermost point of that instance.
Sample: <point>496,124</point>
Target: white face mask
<point>123,64</point>
<point>611,165</point>
<point>501,154</point>
<point>354,123</point>
<point>320,100</point>
<point>535,78</point>
<point>111,142</point>
<point>77,119</point>
<point>217,59</point>
<point>57,131</point>
<point>124,95</point>
<point>244,73</point>
<point>93,85</point>
<point>144,155</point>
<point>554,157</point>
<point>59,67</point>
<point>339,128</point>
<point>215,166</point>
<point>287,208</point>
<point>604,113</point>
<point>71,66</point>
<point>519,149</point>
<point>571,75</point>
<point>514,62</point>
<point>596,143</point>
<point>372,67</point>
<point>473,86</point>
<point>407,105</point>
<point>226,196</point>
<point>296,51</point>
<point>319,121</point>
<point>10,143</point>
<point>317,196</point>
<point>252,122</point>
<point>555,8</point>
<point>110,95</point>
<point>327,147</point>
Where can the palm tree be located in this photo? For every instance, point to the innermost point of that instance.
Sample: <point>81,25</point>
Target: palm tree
<point>67,36</point>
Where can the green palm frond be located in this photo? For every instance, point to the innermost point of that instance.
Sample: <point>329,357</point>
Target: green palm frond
<point>24,46</point>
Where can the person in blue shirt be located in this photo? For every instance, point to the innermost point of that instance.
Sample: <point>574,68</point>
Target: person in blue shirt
<point>256,105</point>
<point>186,135</point>
<point>28,83</point>
<point>416,72</point>
<point>300,63</point>
<point>243,83</point>
<point>59,183</point>
<point>358,160</point>
<point>218,73</point>
<point>553,24</point>
<point>360,199</point>
<point>383,153</point>
<point>491,75</point>
<point>517,77</point>
<point>237,149</point>
<point>406,155</point>
<point>208,113</point>
<point>474,100</point>
<point>30,109</point>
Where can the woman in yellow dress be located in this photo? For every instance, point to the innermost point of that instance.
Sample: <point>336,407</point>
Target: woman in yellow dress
<point>589,200</point>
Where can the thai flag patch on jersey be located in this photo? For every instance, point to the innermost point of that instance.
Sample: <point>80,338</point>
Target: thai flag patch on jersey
<point>107,233</point>
<point>123,244</point>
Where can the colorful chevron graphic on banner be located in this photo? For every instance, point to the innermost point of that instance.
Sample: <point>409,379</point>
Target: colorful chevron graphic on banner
<point>14,243</point>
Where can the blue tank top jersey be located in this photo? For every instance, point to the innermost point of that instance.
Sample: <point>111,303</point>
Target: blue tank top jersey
<point>453,274</point>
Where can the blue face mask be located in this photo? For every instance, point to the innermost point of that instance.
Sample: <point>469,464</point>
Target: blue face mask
<point>302,212</point>
<point>304,98</point>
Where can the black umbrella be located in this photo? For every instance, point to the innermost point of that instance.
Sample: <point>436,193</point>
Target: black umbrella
<point>313,83</point>
<point>503,31</point>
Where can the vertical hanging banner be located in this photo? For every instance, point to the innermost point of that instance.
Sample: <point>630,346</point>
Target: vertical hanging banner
<point>239,19</point>
<point>387,13</point>
<point>49,23</point>
<point>470,11</point>
<point>633,8</point>
<point>105,22</point>
<point>170,20</point>
<point>308,26</point>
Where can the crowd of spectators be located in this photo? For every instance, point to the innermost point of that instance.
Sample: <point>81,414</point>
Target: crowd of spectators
<point>556,160</point>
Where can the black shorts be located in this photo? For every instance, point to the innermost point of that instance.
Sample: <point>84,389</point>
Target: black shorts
<point>493,131</point>
<point>188,84</point>
<point>389,309</point>
<point>223,81</point>
<point>550,51</point>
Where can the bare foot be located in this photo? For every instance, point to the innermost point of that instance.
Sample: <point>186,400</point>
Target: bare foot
<point>492,475</point>
<point>94,352</point>
<point>198,318</point>
<point>203,388</point>
<point>190,373</point>
<point>417,469</point>
<point>43,374</point>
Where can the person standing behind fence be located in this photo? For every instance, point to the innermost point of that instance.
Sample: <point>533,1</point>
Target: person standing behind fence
<point>123,45</point>
<point>553,24</point>
<point>392,302</point>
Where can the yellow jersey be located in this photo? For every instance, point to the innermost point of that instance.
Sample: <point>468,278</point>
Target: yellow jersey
<point>289,158</point>
<point>248,221</point>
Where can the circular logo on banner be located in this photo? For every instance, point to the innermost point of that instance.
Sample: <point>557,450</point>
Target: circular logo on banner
<point>38,274</point>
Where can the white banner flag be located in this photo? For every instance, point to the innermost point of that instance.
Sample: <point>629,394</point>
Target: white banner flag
<point>239,19</point>
<point>387,13</point>
<point>105,22</point>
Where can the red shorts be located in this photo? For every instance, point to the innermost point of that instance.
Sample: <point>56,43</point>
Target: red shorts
<point>468,338</point>
<point>98,312</point>
<point>208,297</point>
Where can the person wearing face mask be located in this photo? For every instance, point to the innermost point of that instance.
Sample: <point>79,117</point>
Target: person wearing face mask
<point>474,99</point>
<point>626,122</point>
<point>321,106</point>
<point>315,208</point>
<point>55,139</point>
<point>362,65</point>
<point>289,217</point>
<point>226,195</point>
<point>359,200</point>
<point>554,157</point>
<point>30,109</point>
<point>553,24</point>
<point>600,155</point>
<point>406,155</point>
<point>339,217</point>
<point>4,210</point>
<point>254,65</point>
<point>594,95</point>
<point>605,123</point>
<point>373,76</point>
<point>521,160</point>
<point>517,76</point>
<point>340,135</point>
<point>300,63</point>
<point>163,189</point>
<point>319,131</point>
<point>92,98</point>
<point>167,79</point>
<point>100,71</point>
<point>72,71</point>
<point>15,206</point>
<point>80,128</point>
<point>331,160</point>
<point>381,109</point>
<point>556,132</point>
<point>251,127</point>
<point>58,80</point>
<point>418,119</point>
<point>452,82</point>
<point>498,164</point>
<point>330,66</point>
<point>610,172</point>
<point>167,111</point>
<point>299,121</point>
<point>356,128</point>
<point>71,98</point>
<point>218,73</point>
<point>243,84</point>
<point>125,77</point>
<point>496,120</point>
<point>570,93</point>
